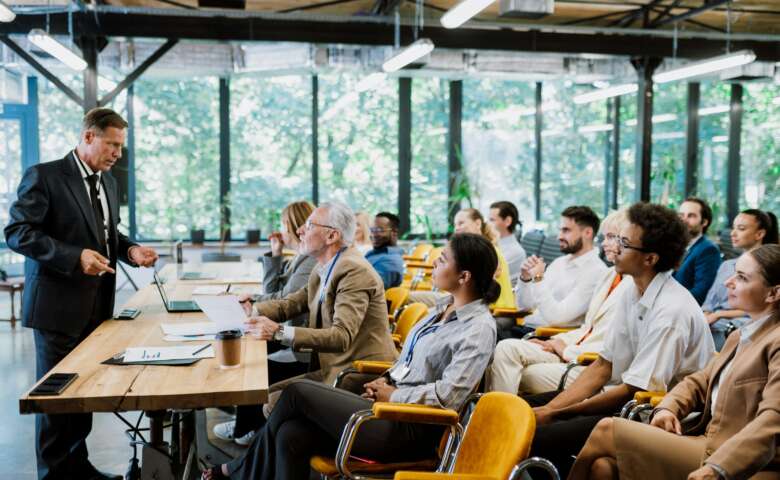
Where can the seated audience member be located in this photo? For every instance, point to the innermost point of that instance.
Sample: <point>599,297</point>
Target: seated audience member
<point>751,229</point>
<point>386,257</point>
<point>469,220</point>
<point>737,394</point>
<point>536,366</point>
<point>344,301</point>
<point>504,217</point>
<point>659,336</point>
<point>441,363</point>
<point>280,278</point>
<point>702,257</point>
<point>362,232</point>
<point>560,294</point>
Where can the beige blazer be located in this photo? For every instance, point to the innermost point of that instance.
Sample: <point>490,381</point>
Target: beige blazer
<point>354,317</point>
<point>599,316</point>
<point>742,435</point>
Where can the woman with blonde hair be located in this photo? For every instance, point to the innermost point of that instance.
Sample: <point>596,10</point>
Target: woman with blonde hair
<point>363,232</point>
<point>281,276</point>
<point>469,220</point>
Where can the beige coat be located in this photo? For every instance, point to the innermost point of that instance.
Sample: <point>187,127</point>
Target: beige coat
<point>742,435</point>
<point>354,317</point>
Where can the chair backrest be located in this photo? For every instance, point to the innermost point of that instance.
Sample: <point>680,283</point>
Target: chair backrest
<point>433,255</point>
<point>532,242</point>
<point>727,249</point>
<point>395,296</point>
<point>413,313</point>
<point>550,250</point>
<point>421,251</point>
<point>497,437</point>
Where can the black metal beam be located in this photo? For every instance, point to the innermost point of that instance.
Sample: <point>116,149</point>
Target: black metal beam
<point>224,157</point>
<point>692,140</point>
<point>691,13</point>
<point>133,76</point>
<point>384,7</point>
<point>371,33</point>
<point>130,103</point>
<point>404,152</point>
<point>538,153</point>
<point>635,14</point>
<point>735,159</point>
<point>596,17</point>
<point>644,127</point>
<point>89,49</point>
<point>608,157</point>
<point>455,146</point>
<point>615,152</point>
<point>315,140</point>
<point>42,70</point>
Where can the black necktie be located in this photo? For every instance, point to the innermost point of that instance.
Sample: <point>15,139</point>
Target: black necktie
<point>95,199</point>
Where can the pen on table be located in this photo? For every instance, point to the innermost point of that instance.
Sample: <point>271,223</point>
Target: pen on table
<point>201,349</point>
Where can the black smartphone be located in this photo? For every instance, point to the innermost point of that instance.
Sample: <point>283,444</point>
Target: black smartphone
<point>54,384</point>
<point>127,314</point>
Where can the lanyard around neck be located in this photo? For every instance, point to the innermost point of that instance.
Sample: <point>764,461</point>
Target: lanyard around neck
<point>327,276</point>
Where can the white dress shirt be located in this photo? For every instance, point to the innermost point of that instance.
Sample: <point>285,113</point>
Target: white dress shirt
<point>513,253</point>
<point>561,299</point>
<point>659,338</point>
<point>101,195</point>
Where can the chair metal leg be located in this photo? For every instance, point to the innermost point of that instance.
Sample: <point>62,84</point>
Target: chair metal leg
<point>627,408</point>
<point>536,462</point>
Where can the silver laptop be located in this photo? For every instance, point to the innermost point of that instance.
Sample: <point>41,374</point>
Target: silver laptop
<point>174,306</point>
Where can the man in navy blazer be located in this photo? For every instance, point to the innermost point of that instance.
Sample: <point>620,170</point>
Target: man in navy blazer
<point>64,222</point>
<point>702,258</point>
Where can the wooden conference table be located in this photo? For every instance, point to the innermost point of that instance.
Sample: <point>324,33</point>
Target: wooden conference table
<point>156,389</point>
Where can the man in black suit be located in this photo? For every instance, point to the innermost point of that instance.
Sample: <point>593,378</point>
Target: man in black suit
<point>65,223</point>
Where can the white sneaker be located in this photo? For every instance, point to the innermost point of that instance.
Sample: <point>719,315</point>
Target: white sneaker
<point>224,431</point>
<point>246,439</point>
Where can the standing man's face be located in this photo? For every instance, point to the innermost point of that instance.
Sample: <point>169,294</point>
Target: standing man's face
<point>104,149</point>
<point>690,214</point>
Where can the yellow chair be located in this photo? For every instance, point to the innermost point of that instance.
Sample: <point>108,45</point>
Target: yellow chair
<point>413,313</point>
<point>550,331</point>
<point>643,402</point>
<point>428,263</point>
<point>420,253</point>
<point>396,297</point>
<point>584,359</point>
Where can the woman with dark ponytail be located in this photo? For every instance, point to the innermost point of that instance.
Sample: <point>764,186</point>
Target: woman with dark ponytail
<point>750,229</point>
<point>442,361</point>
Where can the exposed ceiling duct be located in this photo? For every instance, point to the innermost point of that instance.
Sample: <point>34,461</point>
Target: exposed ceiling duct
<point>526,8</point>
<point>756,71</point>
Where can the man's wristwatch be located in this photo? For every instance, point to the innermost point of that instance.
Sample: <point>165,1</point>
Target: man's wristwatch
<point>538,277</point>
<point>279,334</point>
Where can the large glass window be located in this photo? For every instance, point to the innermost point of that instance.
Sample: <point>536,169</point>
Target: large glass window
<point>270,149</point>
<point>10,167</point>
<point>498,143</point>
<point>177,157</point>
<point>760,174</point>
<point>667,173</point>
<point>358,143</point>
<point>575,148</point>
<point>59,118</point>
<point>713,149</point>
<point>429,175</point>
<point>627,151</point>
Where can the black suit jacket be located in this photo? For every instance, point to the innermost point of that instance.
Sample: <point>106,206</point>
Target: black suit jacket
<point>51,222</point>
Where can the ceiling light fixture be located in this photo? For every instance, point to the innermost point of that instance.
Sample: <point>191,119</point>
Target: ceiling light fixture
<point>608,92</point>
<point>703,67</point>
<point>370,82</point>
<point>462,12</point>
<point>404,57</point>
<point>6,13</point>
<point>56,49</point>
<point>776,101</point>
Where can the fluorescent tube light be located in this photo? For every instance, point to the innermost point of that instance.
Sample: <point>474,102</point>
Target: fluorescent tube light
<point>6,14</point>
<point>56,49</point>
<point>404,57</point>
<point>703,112</point>
<point>370,82</point>
<point>720,138</point>
<point>600,127</point>
<point>703,67</point>
<point>462,12</point>
<point>608,92</point>
<point>776,101</point>
<point>660,118</point>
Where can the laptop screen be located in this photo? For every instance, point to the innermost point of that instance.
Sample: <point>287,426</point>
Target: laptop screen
<point>161,288</point>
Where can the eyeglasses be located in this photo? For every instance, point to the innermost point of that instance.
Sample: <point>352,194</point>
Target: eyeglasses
<point>623,242</point>
<point>380,230</point>
<point>309,224</point>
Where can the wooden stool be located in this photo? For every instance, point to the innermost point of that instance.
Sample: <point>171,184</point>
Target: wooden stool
<point>12,285</point>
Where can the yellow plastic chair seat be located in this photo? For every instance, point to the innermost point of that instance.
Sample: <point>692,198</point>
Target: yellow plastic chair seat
<point>371,367</point>
<point>410,412</point>
<point>327,466</point>
<point>654,401</point>
<point>645,397</point>
<point>587,358</point>
<point>550,331</point>
<point>441,476</point>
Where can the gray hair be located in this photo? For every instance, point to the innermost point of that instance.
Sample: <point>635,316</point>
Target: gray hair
<point>341,218</point>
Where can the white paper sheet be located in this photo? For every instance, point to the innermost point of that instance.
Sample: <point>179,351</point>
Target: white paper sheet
<point>211,290</point>
<point>223,310</point>
<point>188,338</point>
<point>139,354</point>
<point>190,329</point>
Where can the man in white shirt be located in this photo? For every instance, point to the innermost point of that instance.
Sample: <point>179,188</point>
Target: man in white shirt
<point>659,335</point>
<point>560,294</point>
<point>504,217</point>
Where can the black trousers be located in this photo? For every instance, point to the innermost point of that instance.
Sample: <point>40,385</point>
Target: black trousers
<point>60,440</point>
<point>250,417</point>
<point>561,440</point>
<point>308,420</point>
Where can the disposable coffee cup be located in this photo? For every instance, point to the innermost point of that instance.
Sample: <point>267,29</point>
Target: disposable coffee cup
<point>229,349</point>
